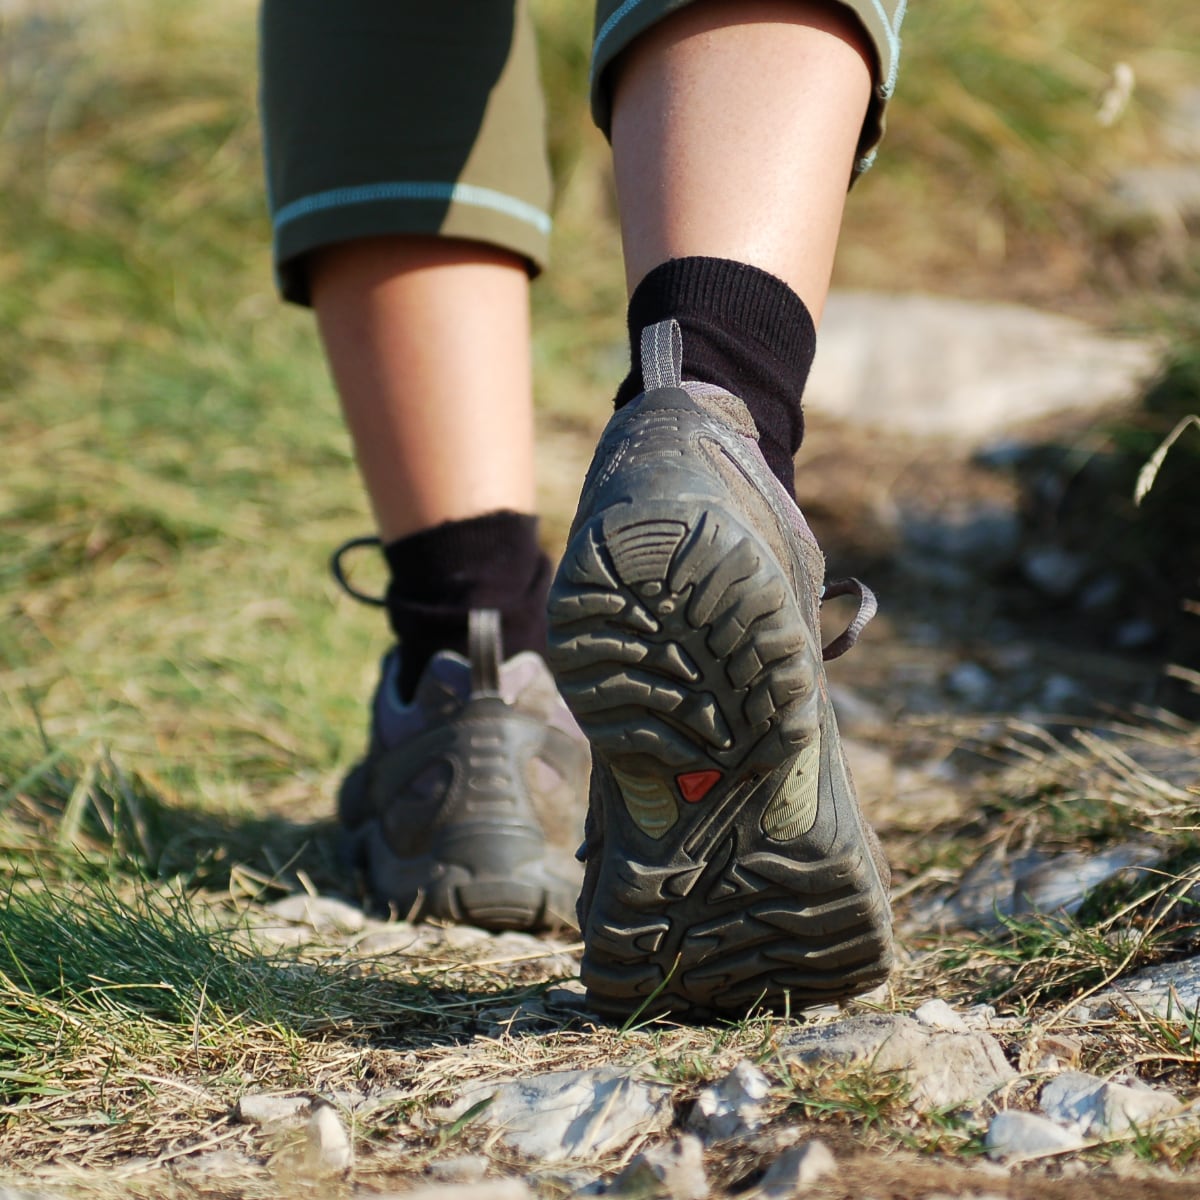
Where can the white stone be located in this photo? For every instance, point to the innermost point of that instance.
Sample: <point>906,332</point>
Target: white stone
<point>797,1168</point>
<point>998,365</point>
<point>1062,884</point>
<point>732,1106</point>
<point>465,1168</point>
<point>325,914</point>
<point>493,1189</point>
<point>328,1144</point>
<point>674,1170</point>
<point>1019,1135</point>
<point>264,1108</point>
<point>943,1069</point>
<point>1000,885</point>
<point>937,1014</point>
<point>569,1114</point>
<point>1170,991</point>
<point>1100,1108</point>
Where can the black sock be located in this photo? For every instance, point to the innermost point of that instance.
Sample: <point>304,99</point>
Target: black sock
<point>743,330</point>
<point>438,575</point>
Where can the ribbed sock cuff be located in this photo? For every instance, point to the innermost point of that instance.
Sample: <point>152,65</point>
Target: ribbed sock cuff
<point>438,575</point>
<point>743,330</point>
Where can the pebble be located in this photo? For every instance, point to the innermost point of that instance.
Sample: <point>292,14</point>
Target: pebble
<point>328,1144</point>
<point>731,1107</point>
<point>566,1115</point>
<point>1053,571</point>
<point>971,683</point>
<point>466,1168</point>
<point>937,1014</point>
<point>265,1108</point>
<point>1059,693</point>
<point>1020,1135</point>
<point>1101,1108</point>
<point>1135,634</point>
<point>674,1170</point>
<point>942,1069</point>
<point>325,914</point>
<point>797,1168</point>
<point>495,1189</point>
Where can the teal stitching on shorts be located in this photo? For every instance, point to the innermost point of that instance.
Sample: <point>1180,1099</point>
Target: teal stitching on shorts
<point>893,36</point>
<point>455,193</point>
<point>605,30</point>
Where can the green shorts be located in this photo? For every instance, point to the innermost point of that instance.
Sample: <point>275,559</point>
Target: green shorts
<point>393,116</point>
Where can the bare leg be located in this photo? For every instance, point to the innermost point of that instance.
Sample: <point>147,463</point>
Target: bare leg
<point>428,341</point>
<point>735,125</point>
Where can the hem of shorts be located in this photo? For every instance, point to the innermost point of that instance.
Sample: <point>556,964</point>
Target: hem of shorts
<point>634,17</point>
<point>313,230</point>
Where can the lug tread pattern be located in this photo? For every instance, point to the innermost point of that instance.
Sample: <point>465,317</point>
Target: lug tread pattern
<point>716,917</point>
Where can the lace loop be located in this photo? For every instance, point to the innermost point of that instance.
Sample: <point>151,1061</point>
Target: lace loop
<point>339,573</point>
<point>868,606</point>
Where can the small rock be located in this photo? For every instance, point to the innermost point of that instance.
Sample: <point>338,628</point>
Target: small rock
<point>1055,572</point>
<point>675,1170</point>
<point>492,1189</point>
<point>985,536</point>
<point>971,682</point>
<point>798,1168</point>
<point>466,1168</point>
<point>263,1108</point>
<point>325,914</point>
<point>1170,991</point>
<point>569,1114</point>
<point>943,1070</point>
<point>1061,1046</point>
<point>732,1106</point>
<point>392,938</point>
<point>1100,1108</point>
<point>1020,1135</point>
<point>1059,693</point>
<point>937,1014</point>
<point>1135,634</point>
<point>328,1146</point>
<point>1102,593</point>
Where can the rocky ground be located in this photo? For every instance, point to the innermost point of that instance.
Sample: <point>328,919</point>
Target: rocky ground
<point>1011,729</point>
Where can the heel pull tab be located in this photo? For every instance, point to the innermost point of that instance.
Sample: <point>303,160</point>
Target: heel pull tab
<point>485,651</point>
<point>662,355</point>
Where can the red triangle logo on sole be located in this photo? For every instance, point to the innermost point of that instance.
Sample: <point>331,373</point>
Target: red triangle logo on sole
<point>695,785</point>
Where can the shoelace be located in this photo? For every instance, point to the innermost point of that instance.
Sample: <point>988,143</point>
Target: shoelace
<point>339,572</point>
<point>868,606</point>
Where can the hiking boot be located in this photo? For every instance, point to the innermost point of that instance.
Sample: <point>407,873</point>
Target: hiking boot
<point>441,817</point>
<point>727,863</point>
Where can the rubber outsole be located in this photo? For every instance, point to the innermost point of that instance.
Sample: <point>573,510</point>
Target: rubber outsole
<point>424,888</point>
<point>728,866</point>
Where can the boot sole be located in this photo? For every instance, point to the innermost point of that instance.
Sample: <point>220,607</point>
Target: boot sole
<point>678,643</point>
